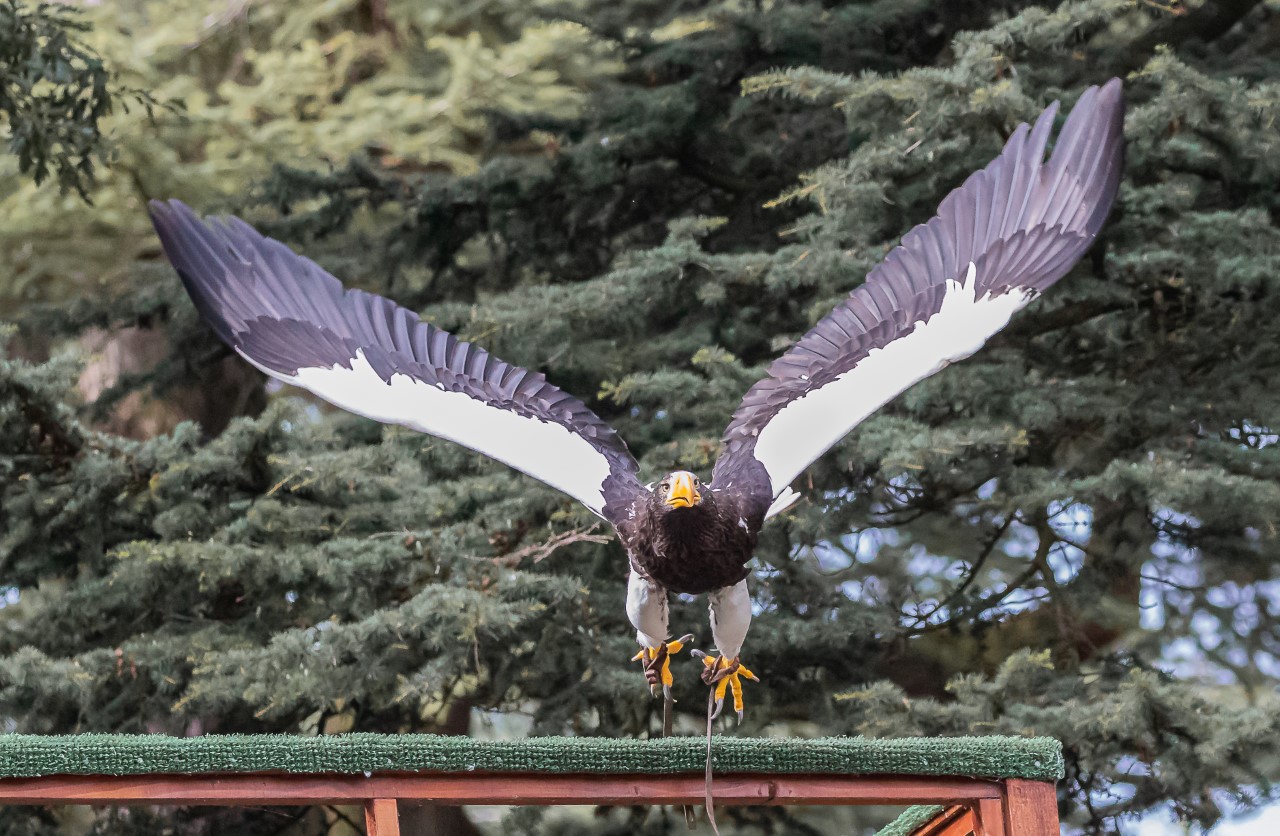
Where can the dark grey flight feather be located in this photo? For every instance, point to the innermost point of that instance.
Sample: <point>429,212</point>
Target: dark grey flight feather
<point>1023,221</point>
<point>285,313</point>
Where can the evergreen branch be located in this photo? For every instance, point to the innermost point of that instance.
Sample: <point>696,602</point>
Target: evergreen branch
<point>807,84</point>
<point>65,437</point>
<point>972,574</point>
<point>1039,322</point>
<point>541,551</point>
<point>55,92</point>
<point>981,605</point>
<point>1205,23</point>
<point>608,27</point>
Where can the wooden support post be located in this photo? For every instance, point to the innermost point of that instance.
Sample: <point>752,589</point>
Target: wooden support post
<point>1030,808</point>
<point>990,817</point>
<point>381,817</point>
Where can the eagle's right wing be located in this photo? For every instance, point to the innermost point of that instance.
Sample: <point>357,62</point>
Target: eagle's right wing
<point>287,316</point>
<point>997,242</point>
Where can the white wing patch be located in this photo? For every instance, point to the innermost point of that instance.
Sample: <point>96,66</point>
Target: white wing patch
<point>819,419</point>
<point>544,450</point>
<point>785,500</point>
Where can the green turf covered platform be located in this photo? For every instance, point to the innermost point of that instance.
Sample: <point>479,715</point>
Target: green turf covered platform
<point>29,756</point>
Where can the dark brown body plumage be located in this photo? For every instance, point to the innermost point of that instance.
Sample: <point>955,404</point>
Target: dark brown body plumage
<point>694,550</point>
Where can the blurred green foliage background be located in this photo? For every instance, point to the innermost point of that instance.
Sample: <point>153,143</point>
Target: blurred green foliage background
<point>1071,534</point>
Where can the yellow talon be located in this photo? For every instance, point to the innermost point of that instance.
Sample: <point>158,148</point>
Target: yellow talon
<point>657,662</point>
<point>725,675</point>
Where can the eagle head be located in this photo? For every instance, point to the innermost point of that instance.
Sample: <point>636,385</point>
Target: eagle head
<point>680,489</point>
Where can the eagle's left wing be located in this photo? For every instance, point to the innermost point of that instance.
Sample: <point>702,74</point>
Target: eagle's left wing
<point>997,242</point>
<point>287,316</point>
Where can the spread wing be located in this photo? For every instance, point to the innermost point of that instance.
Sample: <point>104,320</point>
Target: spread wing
<point>291,319</point>
<point>997,242</point>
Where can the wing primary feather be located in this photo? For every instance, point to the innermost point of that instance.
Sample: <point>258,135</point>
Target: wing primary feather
<point>1004,175</point>
<point>265,296</point>
<point>1033,158</point>
<point>966,215</point>
<point>1058,168</point>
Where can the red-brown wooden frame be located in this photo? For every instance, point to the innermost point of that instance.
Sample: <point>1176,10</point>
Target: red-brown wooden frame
<point>1011,807</point>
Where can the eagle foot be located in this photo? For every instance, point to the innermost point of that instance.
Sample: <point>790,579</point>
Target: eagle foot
<point>724,675</point>
<point>657,663</point>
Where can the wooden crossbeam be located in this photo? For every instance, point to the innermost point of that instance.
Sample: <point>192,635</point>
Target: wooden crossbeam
<point>972,806</point>
<point>493,788</point>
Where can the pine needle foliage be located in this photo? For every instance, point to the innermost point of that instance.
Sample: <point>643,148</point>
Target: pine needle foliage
<point>53,93</point>
<point>1070,534</point>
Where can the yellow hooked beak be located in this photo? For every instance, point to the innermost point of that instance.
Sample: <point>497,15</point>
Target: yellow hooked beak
<point>683,492</point>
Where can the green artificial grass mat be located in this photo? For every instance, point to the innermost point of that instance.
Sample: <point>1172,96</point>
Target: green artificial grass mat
<point>26,756</point>
<point>911,820</point>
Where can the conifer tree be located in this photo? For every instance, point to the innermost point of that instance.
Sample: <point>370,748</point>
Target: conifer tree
<point>1070,534</point>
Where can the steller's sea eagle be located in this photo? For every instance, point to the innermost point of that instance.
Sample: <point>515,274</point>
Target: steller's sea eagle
<point>998,241</point>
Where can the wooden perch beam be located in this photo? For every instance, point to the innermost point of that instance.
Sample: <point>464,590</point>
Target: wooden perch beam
<point>502,789</point>
<point>974,806</point>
